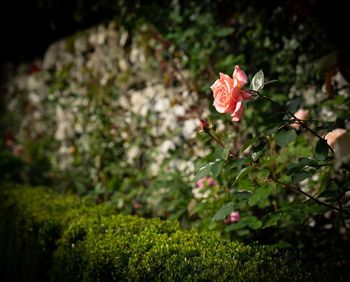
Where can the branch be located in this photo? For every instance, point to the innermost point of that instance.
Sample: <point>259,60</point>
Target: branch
<point>291,114</point>
<point>296,189</point>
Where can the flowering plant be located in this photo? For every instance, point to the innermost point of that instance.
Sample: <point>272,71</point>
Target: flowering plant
<point>268,182</point>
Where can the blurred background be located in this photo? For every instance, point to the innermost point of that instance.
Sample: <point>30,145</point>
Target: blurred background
<point>102,98</point>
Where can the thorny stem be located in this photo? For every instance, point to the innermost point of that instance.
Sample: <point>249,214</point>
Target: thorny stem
<point>291,114</point>
<point>296,189</point>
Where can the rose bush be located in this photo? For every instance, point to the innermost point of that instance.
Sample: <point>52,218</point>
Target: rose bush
<point>278,178</point>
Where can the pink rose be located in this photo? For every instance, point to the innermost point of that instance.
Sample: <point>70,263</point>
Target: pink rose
<point>302,115</point>
<point>208,181</point>
<point>332,136</point>
<point>228,93</point>
<point>233,217</point>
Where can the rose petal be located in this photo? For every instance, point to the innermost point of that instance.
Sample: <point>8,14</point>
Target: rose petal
<point>237,114</point>
<point>240,76</point>
<point>226,81</point>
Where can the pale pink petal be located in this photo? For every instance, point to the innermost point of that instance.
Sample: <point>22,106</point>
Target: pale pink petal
<point>200,183</point>
<point>240,76</point>
<point>300,114</point>
<point>226,81</point>
<point>216,85</point>
<point>331,137</point>
<point>221,109</point>
<point>237,114</point>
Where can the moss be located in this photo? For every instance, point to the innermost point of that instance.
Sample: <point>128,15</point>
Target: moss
<point>46,236</point>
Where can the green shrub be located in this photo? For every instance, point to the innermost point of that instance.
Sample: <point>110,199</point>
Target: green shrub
<point>46,236</point>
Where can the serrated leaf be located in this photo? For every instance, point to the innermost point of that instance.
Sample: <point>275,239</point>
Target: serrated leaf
<point>216,167</point>
<point>218,152</point>
<point>226,151</point>
<point>224,211</point>
<point>245,184</point>
<point>203,171</point>
<point>283,138</point>
<point>321,150</point>
<point>261,194</point>
<point>244,171</point>
<point>257,83</point>
<point>300,176</point>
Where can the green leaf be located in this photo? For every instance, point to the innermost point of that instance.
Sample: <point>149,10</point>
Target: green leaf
<point>224,211</point>
<point>203,171</point>
<point>261,194</point>
<point>250,142</point>
<point>263,175</point>
<point>236,226</point>
<point>250,221</point>
<point>255,223</point>
<point>222,32</point>
<point>293,167</point>
<point>218,152</point>
<point>281,245</point>
<point>321,150</point>
<point>271,130</point>
<point>246,185</point>
<point>293,105</point>
<point>244,171</point>
<point>308,162</point>
<point>257,83</point>
<point>300,176</point>
<point>240,196</point>
<point>226,151</point>
<point>239,162</point>
<point>258,150</point>
<point>216,167</point>
<point>272,220</point>
<point>283,138</point>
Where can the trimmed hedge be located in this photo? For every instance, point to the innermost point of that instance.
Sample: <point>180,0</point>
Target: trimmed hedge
<point>49,237</point>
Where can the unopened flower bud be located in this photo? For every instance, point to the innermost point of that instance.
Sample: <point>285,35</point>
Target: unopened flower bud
<point>203,125</point>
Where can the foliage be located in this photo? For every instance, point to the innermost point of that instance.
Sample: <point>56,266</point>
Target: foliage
<point>44,235</point>
<point>112,111</point>
<point>289,183</point>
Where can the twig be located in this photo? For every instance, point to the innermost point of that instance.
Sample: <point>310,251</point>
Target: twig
<point>296,189</point>
<point>291,114</point>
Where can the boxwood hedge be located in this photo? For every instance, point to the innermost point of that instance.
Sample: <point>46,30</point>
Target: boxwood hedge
<point>45,236</point>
